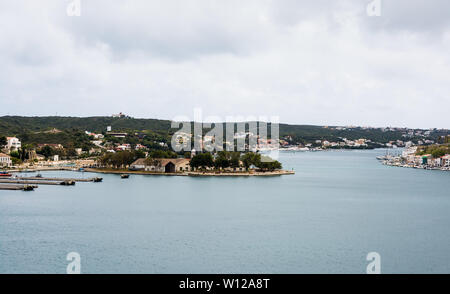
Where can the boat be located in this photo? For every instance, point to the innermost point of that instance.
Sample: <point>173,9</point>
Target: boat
<point>81,169</point>
<point>124,176</point>
<point>28,188</point>
<point>68,183</point>
<point>5,174</point>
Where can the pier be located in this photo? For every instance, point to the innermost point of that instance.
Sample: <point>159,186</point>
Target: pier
<point>30,183</point>
<point>95,180</point>
<point>18,187</point>
<point>18,181</point>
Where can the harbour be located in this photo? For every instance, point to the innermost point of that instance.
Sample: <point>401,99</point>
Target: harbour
<point>337,207</point>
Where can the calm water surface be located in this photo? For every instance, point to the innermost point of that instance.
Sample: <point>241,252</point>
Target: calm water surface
<point>339,206</point>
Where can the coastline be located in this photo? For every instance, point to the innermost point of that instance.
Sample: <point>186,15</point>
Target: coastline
<point>398,164</point>
<point>189,174</point>
<point>194,174</point>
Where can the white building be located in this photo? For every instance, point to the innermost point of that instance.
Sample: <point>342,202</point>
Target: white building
<point>124,147</point>
<point>13,144</point>
<point>5,160</point>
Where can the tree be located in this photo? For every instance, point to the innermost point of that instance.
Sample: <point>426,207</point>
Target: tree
<point>119,159</point>
<point>222,159</point>
<point>202,160</point>
<point>251,158</point>
<point>23,151</point>
<point>438,152</point>
<point>139,154</point>
<point>3,141</point>
<point>162,154</point>
<point>14,154</point>
<point>268,164</point>
<point>47,151</point>
<point>235,159</point>
<point>71,152</point>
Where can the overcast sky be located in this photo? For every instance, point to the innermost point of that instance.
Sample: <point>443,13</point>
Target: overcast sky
<point>308,62</point>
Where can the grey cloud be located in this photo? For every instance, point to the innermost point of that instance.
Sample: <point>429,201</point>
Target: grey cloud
<point>427,17</point>
<point>321,62</point>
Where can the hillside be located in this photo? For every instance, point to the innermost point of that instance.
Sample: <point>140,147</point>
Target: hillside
<point>37,129</point>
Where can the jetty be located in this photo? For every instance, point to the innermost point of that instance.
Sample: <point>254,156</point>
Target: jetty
<point>31,182</point>
<point>95,179</point>
<point>18,187</point>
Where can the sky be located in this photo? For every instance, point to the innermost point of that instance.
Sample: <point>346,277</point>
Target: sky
<point>321,62</point>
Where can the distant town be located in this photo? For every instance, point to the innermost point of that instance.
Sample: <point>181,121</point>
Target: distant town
<point>432,157</point>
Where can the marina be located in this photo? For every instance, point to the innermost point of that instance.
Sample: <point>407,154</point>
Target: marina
<point>40,178</point>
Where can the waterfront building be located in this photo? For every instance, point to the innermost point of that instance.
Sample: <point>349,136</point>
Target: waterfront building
<point>163,165</point>
<point>5,160</point>
<point>445,160</point>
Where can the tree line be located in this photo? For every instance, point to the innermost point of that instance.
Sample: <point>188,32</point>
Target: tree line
<point>225,159</point>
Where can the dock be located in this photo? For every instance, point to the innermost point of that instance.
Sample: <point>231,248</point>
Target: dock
<point>95,180</point>
<point>31,182</point>
<point>18,187</point>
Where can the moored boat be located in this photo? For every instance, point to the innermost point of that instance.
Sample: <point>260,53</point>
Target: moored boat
<point>5,174</point>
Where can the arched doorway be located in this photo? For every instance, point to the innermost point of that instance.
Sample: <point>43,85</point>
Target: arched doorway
<point>169,168</point>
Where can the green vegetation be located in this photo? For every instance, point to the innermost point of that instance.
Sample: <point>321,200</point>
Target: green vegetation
<point>3,142</point>
<point>226,159</point>
<point>17,124</point>
<point>70,138</point>
<point>150,132</point>
<point>119,159</point>
<point>162,154</point>
<point>47,151</point>
<point>267,164</point>
<point>435,150</point>
<point>202,160</point>
<point>250,158</point>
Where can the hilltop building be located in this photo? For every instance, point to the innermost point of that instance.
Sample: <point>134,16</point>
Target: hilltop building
<point>117,135</point>
<point>13,144</point>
